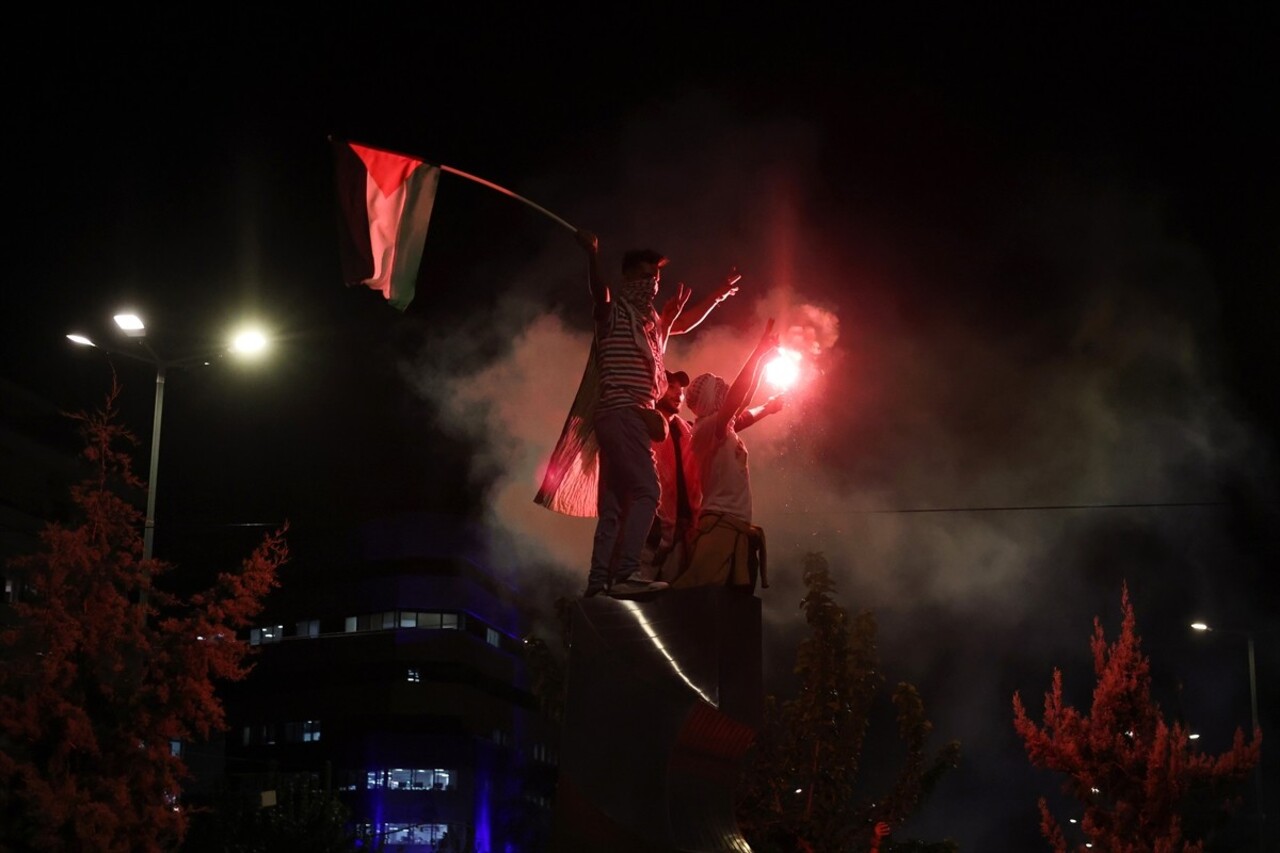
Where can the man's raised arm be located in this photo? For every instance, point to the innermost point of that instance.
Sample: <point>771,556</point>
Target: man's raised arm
<point>689,320</point>
<point>755,414</point>
<point>599,290</point>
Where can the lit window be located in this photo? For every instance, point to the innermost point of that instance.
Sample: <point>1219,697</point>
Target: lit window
<point>402,779</point>
<point>269,634</point>
<point>492,637</point>
<point>309,628</point>
<point>414,675</point>
<point>425,834</point>
<point>391,619</point>
<point>307,731</point>
<point>175,748</point>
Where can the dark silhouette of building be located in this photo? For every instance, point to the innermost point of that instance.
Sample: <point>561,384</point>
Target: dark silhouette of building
<point>396,676</point>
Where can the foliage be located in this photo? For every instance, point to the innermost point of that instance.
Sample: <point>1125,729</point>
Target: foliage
<point>102,669</point>
<point>799,789</point>
<point>1138,779</point>
<point>546,664</point>
<point>306,816</point>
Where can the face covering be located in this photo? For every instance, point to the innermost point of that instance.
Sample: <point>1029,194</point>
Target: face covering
<point>638,293</point>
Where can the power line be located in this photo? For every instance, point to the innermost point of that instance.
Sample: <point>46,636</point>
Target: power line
<point>1037,508</point>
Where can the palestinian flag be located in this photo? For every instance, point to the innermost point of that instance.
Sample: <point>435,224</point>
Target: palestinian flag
<point>384,207</point>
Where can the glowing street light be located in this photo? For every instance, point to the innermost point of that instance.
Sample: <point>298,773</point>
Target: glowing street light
<point>248,342</point>
<point>131,324</point>
<point>1204,627</point>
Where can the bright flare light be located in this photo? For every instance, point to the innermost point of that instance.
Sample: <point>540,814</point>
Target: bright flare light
<point>784,370</point>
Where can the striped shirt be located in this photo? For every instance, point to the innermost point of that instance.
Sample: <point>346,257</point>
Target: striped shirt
<point>629,348</point>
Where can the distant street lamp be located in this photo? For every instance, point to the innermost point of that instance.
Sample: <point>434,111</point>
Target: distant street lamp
<point>1253,708</point>
<point>249,342</point>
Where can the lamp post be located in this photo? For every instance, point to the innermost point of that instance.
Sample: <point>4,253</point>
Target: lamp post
<point>249,342</point>
<point>1204,627</point>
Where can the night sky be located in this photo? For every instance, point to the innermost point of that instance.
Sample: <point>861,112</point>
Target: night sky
<point>1032,262</point>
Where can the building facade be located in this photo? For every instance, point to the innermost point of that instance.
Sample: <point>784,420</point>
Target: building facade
<point>398,679</point>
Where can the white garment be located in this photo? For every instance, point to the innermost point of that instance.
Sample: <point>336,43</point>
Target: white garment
<point>722,470</point>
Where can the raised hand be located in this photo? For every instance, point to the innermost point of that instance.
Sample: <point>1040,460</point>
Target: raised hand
<point>673,306</point>
<point>768,340</point>
<point>730,286</point>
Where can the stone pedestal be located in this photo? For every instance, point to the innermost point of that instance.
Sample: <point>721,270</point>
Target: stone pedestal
<point>664,697</point>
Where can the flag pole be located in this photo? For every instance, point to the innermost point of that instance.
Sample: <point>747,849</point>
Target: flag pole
<point>469,177</point>
<point>505,191</point>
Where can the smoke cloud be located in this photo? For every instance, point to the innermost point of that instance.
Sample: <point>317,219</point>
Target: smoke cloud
<point>1004,400</point>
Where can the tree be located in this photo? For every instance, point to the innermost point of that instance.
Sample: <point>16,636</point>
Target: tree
<point>102,669</point>
<point>1137,778</point>
<point>307,815</point>
<point>799,784</point>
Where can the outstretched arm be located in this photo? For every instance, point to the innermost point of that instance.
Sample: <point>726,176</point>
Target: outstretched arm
<point>755,414</point>
<point>690,319</point>
<point>881,830</point>
<point>755,380</point>
<point>599,290</point>
<point>745,384</point>
<point>671,310</point>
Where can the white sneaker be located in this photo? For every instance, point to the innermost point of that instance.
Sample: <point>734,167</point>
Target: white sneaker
<point>635,586</point>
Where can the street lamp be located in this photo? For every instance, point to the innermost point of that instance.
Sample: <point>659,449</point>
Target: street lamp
<point>249,342</point>
<point>1204,627</point>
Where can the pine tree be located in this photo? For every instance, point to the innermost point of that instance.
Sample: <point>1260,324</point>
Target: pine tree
<point>101,669</point>
<point>1138,780</point>
<point>799,786</point>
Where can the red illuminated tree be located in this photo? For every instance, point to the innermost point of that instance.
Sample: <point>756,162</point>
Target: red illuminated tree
<point>1141,786</point>
<point>101,669</point>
